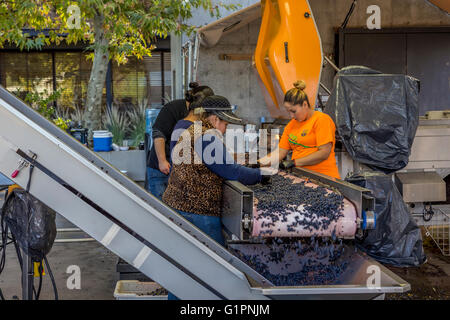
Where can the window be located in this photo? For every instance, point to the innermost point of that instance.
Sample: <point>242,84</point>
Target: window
<point>142,80</point>
<point>22,72</point>
<point>69,72</point>
<point>72,72</point>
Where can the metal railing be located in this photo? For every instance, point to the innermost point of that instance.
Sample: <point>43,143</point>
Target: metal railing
<point>439,231</point>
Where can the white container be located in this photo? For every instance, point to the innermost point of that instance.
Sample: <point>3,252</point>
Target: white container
<point>136,290</point>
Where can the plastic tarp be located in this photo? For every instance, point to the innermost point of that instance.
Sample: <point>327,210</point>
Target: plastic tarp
<point>396,239</point>
<point>36,239</point>
<point>376,116</point>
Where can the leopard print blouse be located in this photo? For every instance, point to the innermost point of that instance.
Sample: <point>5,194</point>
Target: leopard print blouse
<point>193,187</point>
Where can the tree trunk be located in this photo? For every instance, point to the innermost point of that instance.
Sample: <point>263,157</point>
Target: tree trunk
<point>97,78</point>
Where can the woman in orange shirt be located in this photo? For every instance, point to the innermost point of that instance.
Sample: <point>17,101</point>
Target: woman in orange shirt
<point>310,135</point>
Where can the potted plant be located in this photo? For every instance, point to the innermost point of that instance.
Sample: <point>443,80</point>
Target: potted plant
<point>117,123</point>
<point>137,123</point>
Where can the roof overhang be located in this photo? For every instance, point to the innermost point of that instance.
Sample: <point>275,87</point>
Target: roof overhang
<point>443,4</point>
<point>211,34</point>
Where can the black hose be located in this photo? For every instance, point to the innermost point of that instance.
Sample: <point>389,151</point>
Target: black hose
<point>1,295</point>
<point>4,236</point>
<point>51,277</point>
<point>40,281</point>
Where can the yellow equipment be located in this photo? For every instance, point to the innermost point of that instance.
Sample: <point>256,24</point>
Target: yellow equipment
<point>289,39</point>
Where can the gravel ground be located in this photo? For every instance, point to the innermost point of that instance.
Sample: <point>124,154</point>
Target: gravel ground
<point>431,281</point>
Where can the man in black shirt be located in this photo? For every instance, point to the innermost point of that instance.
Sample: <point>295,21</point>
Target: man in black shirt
<point>158,158</point>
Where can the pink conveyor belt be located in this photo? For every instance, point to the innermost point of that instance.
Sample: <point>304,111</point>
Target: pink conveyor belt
<point>344,227</point>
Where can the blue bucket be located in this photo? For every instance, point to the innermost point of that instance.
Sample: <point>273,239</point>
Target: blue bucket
<point>102,141</point>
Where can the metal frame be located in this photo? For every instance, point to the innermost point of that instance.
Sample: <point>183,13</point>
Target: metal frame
<point>237,207</point>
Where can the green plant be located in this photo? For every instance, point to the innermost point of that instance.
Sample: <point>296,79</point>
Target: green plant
<point>137,122</point>
<point>117,123</point>
<point>167,98</point>
<point>62,123</point>
<point>76,114</point>
<point>42,101</point>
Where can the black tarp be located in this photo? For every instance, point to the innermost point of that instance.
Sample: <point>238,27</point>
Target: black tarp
<point>396,239</point>
<point>36,239</point>
<point>376,116</point>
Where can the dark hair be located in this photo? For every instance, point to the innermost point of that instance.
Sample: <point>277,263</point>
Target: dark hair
<point>197,100</point>
<point>297,95</point>
<point>196,88</point>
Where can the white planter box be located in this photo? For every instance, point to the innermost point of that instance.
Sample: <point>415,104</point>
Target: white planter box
<point>131,161</point>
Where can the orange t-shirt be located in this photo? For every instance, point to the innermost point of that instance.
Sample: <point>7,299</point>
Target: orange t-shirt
<point>304,138</point>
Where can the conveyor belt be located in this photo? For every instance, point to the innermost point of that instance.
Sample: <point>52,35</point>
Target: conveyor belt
<point>301,208</point>
<point>90,193</point>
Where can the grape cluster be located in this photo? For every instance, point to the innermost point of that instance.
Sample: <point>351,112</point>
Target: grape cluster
<point>314,261</point>
<point>284,197</point>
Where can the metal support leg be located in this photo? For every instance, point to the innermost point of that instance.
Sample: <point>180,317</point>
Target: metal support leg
<point>27,277</point>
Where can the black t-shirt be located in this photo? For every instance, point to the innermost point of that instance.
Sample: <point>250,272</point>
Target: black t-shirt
<point>167,118</point>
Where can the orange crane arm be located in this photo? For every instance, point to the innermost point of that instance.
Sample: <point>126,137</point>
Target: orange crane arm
<point>289,39</point>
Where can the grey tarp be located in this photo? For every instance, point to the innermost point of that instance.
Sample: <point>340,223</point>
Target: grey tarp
<point>396,239</point>
<point>376,116</point>
<point>36,239</point>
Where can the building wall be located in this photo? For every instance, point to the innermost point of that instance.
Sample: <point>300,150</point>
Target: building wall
<point>237,80</point>
<point>330,14</point>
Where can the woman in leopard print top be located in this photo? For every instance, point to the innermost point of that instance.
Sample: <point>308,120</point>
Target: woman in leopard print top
<point>195,183</point>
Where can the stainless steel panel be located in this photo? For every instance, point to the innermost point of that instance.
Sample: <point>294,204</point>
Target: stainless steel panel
<point>421,186</point>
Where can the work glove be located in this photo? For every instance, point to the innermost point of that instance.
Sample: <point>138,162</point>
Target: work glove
<point>286,164</point>
<point>267,173</point>
<point>266,180</point>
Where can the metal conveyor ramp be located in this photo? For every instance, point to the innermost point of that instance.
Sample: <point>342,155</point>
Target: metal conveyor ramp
<point>111,208</point>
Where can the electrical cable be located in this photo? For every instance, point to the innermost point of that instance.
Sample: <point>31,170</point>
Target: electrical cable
<point>51,277</point>
<point>4,243</point>
<point>4,236</point>
<point>40,281</point>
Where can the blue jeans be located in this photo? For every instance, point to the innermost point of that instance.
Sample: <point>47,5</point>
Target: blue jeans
<point>156,182</point>
<point>212,226</point>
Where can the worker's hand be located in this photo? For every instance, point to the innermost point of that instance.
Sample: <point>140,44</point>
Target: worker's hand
<point>164,167</point>
<point>264,161</point>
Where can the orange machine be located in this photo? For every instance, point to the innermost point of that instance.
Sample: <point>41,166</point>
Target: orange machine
<point>288,49</point>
